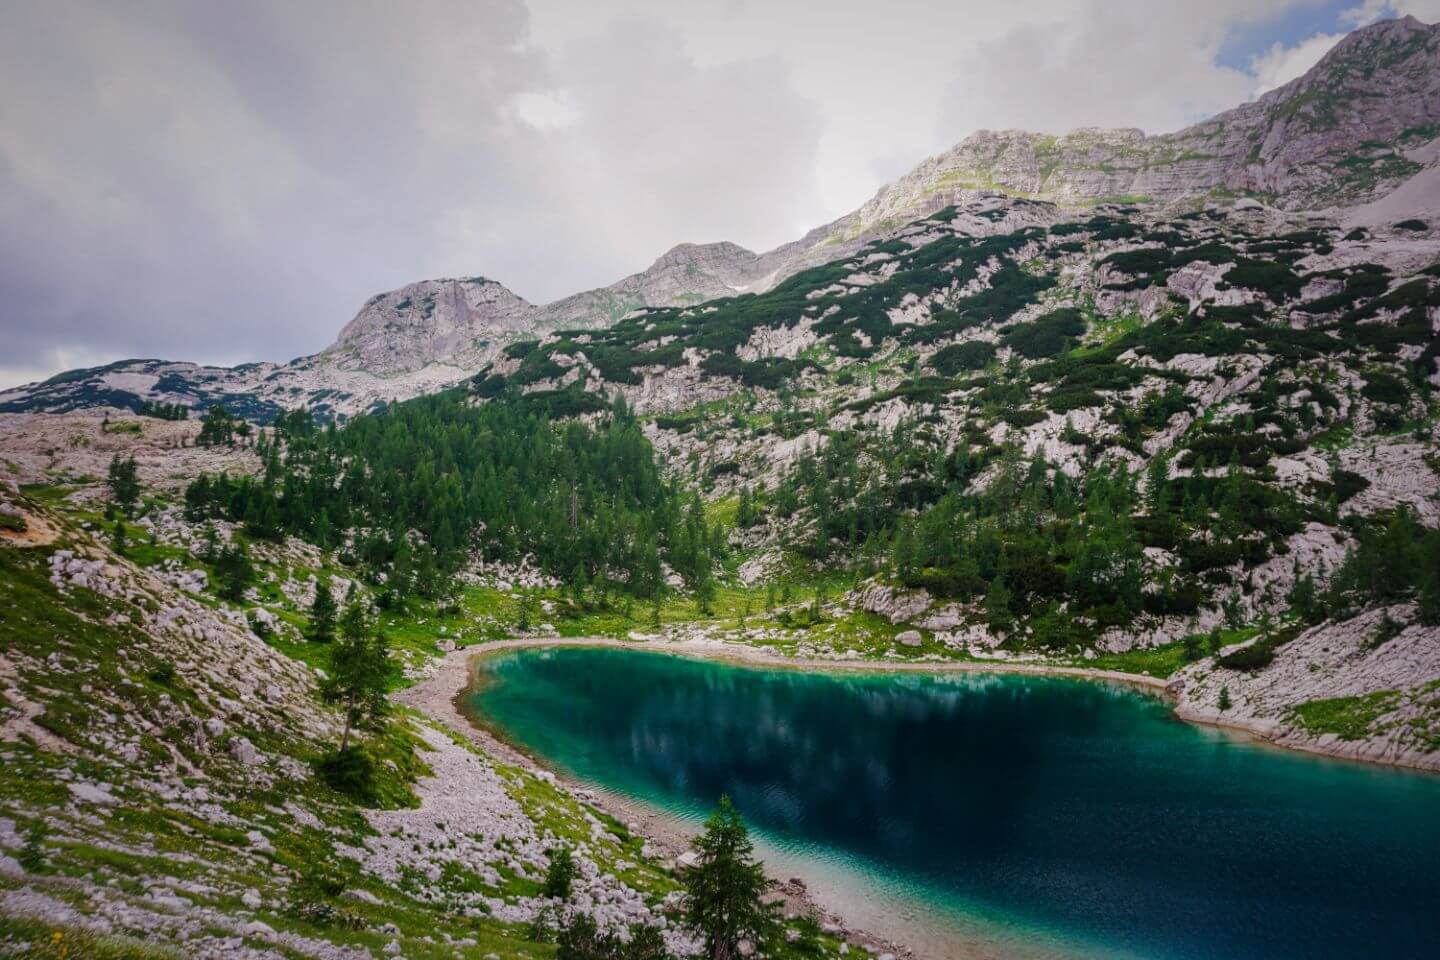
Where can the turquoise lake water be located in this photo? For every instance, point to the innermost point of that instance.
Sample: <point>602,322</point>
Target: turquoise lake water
<point>1037,815</point>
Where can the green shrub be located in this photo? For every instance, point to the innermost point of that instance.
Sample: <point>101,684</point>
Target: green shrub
<point>1347,484</point>
<point>315,897</point>
<point>1253,657</point>
<point>560,874</point>
<point>1275,280</point>
<point>1045,336</point>
<point>350,771</point>
<point>1384,388</point>
<point>958,357</point>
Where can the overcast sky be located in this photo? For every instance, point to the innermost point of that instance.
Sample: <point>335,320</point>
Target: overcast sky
<point>226,182</point>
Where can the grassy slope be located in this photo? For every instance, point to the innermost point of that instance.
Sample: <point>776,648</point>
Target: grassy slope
<point>144,841</point>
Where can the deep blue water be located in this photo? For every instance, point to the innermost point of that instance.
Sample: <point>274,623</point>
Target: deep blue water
<point>1080,811</point>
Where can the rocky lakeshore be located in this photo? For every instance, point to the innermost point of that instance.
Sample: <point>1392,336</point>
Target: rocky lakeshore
<point>440,696</point>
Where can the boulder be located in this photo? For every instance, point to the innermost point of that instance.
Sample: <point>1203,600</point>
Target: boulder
<point>909,638</point>
<point>244,751</point>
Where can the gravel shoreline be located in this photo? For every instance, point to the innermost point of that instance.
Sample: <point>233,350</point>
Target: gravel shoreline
<point>439,696</point>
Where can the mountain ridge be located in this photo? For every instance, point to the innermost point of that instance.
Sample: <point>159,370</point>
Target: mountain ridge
<point>1318,139</point>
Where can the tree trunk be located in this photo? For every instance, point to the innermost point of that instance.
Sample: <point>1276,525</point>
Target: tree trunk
<point>349,717</point>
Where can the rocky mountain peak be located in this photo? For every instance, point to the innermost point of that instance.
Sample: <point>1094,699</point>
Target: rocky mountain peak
<point>725,264</point>
<point>687,253</point>
<point>428,322</point>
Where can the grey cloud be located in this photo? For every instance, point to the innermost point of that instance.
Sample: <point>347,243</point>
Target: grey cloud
<point>229,181</point>
<point>664,150</point>
<point>1130,63</point>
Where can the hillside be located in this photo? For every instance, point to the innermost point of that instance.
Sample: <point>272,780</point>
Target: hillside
<point>163,742</point>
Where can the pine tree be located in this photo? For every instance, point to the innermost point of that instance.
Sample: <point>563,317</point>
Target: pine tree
<point>233,571</point>
<point>745,512</point>
<point>582,939</point>
<point>118,540</point>
<point>998,600</point>
<point>322,612</point>
<point>124,483</point>
<point>723,890</point>
<point>705,588</point>
<point>359,673</point>
<point>210,541</point>
<point>1224,702</point>
<point>220,426</point>
<point>560,874</point>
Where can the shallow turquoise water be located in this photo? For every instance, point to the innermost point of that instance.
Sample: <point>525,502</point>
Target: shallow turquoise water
<point>1039,809</point>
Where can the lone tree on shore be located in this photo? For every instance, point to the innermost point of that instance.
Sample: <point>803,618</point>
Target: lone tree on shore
<point>359,671</point>
<point>724,888</point>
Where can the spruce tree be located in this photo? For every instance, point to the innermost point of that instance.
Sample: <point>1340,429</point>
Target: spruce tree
<point>233,571</point>
<point>705,588</point>
<point>322,612</point>
<point>723,890</point>
<point>359,673</point>
<point>560,874</point>
<point>123,480</point>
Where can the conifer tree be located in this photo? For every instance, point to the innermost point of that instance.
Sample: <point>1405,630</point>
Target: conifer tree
<point>233,571</point>
<point>124,482</point>
<point>561,873</point>
<point>322,612</point>
<point>723,890</point>
<point>705,588</point>
<point>359,673</point>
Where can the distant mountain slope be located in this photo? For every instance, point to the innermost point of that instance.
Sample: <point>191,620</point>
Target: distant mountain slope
<point>1358,132</point>
<point>1341,134</point>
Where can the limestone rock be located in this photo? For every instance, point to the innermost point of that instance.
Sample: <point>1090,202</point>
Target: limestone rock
<point>242,750</point>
